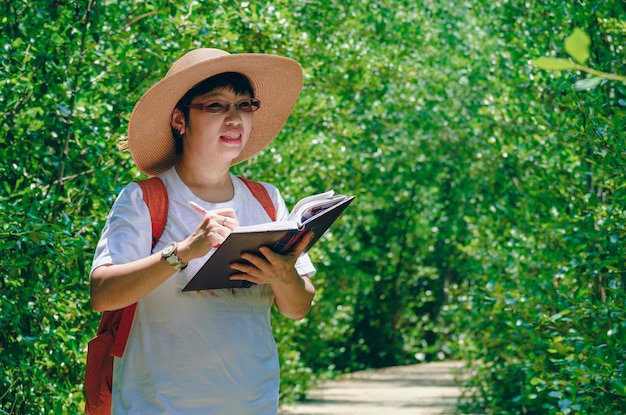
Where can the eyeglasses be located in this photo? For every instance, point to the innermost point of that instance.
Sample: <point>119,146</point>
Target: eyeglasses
<point>221,107</point>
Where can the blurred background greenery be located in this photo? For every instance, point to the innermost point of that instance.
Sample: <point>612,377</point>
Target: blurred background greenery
<point>491,193</point>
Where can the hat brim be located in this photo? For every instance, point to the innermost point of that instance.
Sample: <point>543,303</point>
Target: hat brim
<point>276,81</point>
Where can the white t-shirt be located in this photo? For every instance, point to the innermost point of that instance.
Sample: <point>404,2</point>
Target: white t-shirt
<point>205,352</point>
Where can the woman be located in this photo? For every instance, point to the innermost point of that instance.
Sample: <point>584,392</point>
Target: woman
<point>207,352</point>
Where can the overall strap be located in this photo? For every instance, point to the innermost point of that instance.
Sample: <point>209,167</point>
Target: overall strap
<point>155,197</point>
<point>260,193</point>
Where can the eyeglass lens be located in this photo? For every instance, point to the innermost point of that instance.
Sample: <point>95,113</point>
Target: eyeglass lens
<point>218,107</point>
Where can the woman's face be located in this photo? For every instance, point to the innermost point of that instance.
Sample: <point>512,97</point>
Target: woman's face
<point>218,135</point>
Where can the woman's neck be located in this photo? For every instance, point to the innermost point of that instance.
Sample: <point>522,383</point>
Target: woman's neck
<point>210,184</point>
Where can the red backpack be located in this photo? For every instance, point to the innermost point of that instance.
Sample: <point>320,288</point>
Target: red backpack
<point>114,328</point>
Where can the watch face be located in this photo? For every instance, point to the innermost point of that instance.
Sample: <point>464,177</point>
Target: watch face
<point>169,249</point>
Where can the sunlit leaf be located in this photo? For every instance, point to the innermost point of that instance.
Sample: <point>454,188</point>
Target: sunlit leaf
<point>587,83</point>
<point>577,46</point>
<point>553,64</point>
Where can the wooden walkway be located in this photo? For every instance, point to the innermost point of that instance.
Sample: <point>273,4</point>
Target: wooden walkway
<point>423,389</point>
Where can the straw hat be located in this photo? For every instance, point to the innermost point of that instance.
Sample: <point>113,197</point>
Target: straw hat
<point>276,81</point>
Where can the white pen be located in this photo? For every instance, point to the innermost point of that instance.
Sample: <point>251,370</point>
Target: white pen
<point>198,208</point>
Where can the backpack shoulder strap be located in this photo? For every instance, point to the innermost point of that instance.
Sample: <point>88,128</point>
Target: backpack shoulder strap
<point>260,193</point>
<point>155,196</point>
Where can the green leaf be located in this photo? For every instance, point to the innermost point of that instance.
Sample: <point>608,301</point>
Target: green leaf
<point>553,64</point>
<point>537,381</point>
<point>620,387</point>
<point>577,46</point>
<point>587,83</point>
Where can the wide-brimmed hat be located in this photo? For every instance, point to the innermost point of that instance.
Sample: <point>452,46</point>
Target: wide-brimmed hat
<point>276,81</point>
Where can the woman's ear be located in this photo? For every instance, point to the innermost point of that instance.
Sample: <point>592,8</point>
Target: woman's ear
<point>178,121</point>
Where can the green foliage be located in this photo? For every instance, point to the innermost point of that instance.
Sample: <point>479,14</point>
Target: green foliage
<point>490,210</point>
<point>546,301</point>
<point>577,46</point>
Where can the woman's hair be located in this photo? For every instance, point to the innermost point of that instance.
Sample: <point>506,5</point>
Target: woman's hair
<point>234,81</point>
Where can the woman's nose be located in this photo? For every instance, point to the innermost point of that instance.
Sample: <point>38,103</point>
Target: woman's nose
<point>233,116</point>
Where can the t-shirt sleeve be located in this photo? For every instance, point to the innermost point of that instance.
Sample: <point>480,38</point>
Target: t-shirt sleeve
<point>127,233</point>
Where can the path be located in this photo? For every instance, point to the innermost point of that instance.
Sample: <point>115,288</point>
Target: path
<point>423,389</point>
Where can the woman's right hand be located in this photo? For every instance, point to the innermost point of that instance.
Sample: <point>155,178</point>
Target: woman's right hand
<point>211,232</point>
<point>117,286</point>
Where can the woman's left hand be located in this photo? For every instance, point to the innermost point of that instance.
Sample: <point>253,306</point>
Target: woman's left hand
<point>270,267</point>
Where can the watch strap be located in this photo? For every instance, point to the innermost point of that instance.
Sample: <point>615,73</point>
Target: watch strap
<point>174,260</point>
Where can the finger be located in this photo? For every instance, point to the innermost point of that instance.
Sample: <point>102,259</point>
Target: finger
<point>229,212</point>
<point>302,244</point>
<point>255,261</point>
<point>245,277</point>
<point>228,222</point>
<point>242,277</point>
<point>245,272</point>
<point>216,234</point>
<point>215,222</point>
<point>222,217</point>
<point>273,257</point>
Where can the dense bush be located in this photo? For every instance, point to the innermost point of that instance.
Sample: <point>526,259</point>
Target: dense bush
<point>544,295</point>
<point>488,224</point>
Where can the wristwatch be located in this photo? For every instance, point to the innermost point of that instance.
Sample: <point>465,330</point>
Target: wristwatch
<point>169,254</point>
